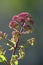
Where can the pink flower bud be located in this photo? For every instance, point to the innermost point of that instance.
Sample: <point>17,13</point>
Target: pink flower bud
<point>1,33</point>
<point>14,17</point>
<point>24,17</point>
<point>27,19</point>
<point>31,21</point>
<point>13,24</point>
<point>24,14</point>
<point>27,27</point>
<point>21,19</point>
<point>13,33</point>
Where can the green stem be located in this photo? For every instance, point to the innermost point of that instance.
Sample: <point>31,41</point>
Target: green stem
<point>7,63</point>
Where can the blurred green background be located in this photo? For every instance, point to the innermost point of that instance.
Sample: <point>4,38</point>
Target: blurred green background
<point>8,8</point>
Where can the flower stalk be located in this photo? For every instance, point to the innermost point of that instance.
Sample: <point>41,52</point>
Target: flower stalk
<point>24,22</point>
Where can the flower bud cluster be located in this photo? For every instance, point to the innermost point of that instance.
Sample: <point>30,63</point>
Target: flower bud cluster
<point>24,19</point>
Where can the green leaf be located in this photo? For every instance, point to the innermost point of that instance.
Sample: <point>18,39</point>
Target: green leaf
<point>32,44</point>
<point>8,44</point>
<point>21,54</point>
<point>16,62</point>
<point>22,46</point>
<point>12,41</point>
<point>2,58</point>
<point>14,56</point>
<point>1,50</point>
<point>11,48</point>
